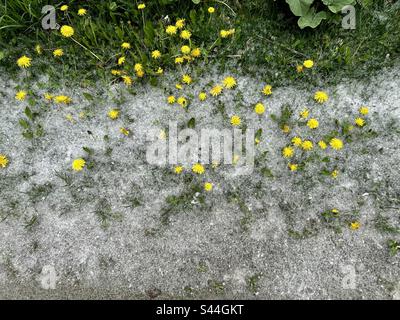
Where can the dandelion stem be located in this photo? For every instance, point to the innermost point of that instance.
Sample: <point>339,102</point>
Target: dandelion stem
<point>86,49</point>
<point>234,13</point>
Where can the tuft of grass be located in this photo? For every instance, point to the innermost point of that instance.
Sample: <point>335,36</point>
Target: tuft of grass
<point>383,225</point>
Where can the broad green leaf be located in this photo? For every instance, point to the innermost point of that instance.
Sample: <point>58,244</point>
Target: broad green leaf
<point>337,5</point>
<point>299,7</point>
<point>311,19</point>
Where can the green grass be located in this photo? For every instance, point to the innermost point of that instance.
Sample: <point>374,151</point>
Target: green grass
<point>267,41</point>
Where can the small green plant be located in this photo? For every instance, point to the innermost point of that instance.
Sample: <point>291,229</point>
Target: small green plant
<point>308,11</point>
<point>394,247</point>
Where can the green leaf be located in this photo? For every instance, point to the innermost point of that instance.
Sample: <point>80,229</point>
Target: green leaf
<point>299,7</point>
<point>27,135</point>
<point>28,113</point>
<point>88,96</point>
<point>258,134</point>
<point>337,5</point>
<point>88,150</point>
<point>113,6</point>
<point>192,123</point>
<point>311,19</point>
<point>149,33</point>
<point>196,1</point>
<point>23,123</point>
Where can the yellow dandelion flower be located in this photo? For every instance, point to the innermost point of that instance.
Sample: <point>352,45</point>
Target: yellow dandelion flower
<point>235,120</point>
<point>127,80</point>
<point>67,31</point>
<point>308,64</point>
<point>267,90</point>
<point>171,30</point>
<point>211,9</point>
<point>178,86</point>
<point>286,129</point>
<point>61,99</point>
<point>160,70</point>
<point>64,7</point>
<point>224,33</point>
<point>179,60</point>
<point>202,96</point>
<point>124,131</point>
<point>185,34</point>
<point>196,52</point>
<point>58,53</point>
<point>287,152</point>
<point>229,82</point>
<point>182,101</point>
<point>113,114</point>
<point>126,45</point>
<point>70,118</point>
<point>198,168</point>
<point>115,72</point>
<point>21,95</point>
<point>307,145</point>
<point>334,174</point>
<point>186,79</point>
<point>185,49</point>
<point>359,122</point>
<point>259,108</point>
<point>140,73</point>
<point>180,23</point>
<point>138,66</point>
<point>321,96</point>
<point>208,186</point>
<point>336,211</point>
<point>121,60</point>
<point>82,12</point>
<point>322,145</point>
<point>293,167</point>
<point>38,49</point>
<point>171,99</point>
<point>313,123</point>
<point>24,62</point>
<point>78,164</point>
<point>3,161</point>
<point>355,225</point>
<point>304,114</point>
<point>296,141</point>
<point>364,111</point>
<point>178,169</point>
<point>336,144</point>
<point>48,96</point>
<point>156,54</point>
<point>299,68</point>
<point>141,6</point>
<point>216,90</point>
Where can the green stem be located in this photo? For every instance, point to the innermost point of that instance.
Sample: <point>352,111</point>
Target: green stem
<point>77,42</point>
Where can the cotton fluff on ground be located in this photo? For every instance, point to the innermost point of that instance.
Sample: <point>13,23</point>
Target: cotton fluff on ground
<point>255,236</point>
